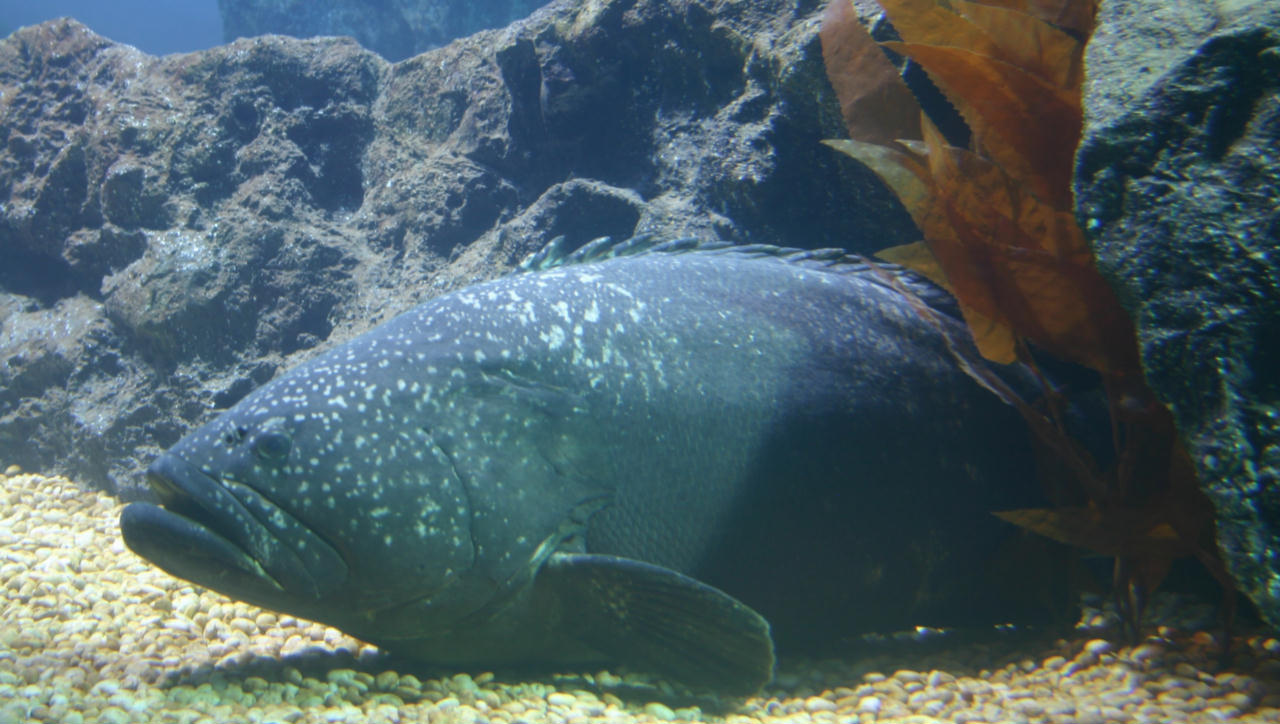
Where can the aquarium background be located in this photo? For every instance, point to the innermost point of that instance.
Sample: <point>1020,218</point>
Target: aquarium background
<point>152,26</point>
<point>192,226</point>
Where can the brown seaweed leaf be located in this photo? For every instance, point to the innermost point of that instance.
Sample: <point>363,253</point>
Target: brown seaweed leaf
<point>1000,234</point>
<point>876,104</point>
<point>996,100</point>
<point>1072,15</point>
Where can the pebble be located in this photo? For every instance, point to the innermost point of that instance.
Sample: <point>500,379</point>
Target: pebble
<point>659,711</point>
<point>559,698</point>
<point>818,703</point>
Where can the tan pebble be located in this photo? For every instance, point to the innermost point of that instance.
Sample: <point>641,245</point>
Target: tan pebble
<point>848,701</point>
<point>1241,682</point>
<point>1147,652</point>
<point>905,675</point>
<point>293,676</point>
<point>559,698</point>
<point>12,470</point>
<point>265,620</point>
<point>869,704</point>
<point>462,683</point>
<point>1230,713</point>
<point>1224,678</point>
<point>1029,707</point>
<point>234,659</point>
<point>1081,663</point>
<point>408,693</point>
<point>1238,699</point>
<point>940,678</point>
<point>873,677</point>
<point>386,681</point>
<point>608,680</point>
<point>294,645</point>
<point>818,703</point>
<point>1203,638</point>
<point>1053,663</point>
<point>659,711</point>
<point>1185,669</point>
<point>1097,647</point>
<point>340,676</point>
<point>214,629</point>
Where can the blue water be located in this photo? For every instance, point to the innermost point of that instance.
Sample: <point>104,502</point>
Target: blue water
<point>153,26</point>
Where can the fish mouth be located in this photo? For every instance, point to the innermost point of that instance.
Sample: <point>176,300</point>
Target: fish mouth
<point>226,536</point>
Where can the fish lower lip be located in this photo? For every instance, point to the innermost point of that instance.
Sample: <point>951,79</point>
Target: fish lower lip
<point>190,549</point>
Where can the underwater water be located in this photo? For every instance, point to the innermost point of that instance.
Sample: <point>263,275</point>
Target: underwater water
<point>152,26</point>
<point>89,632</point>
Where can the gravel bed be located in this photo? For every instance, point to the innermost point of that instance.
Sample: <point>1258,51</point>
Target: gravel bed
<point>91,633</point>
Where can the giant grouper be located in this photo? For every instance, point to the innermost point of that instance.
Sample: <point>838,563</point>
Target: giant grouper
<point>669,456</point>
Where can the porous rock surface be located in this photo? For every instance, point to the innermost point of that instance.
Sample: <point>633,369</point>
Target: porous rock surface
<point>395,29</point>
<point>1177,185</point>
<point>176,230</point>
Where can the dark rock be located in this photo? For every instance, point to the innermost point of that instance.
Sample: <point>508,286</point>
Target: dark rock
<point>395,29</point>
<point>1177,183</point>
<point>176,230</point>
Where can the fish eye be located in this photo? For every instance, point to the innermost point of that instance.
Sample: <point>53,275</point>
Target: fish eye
<point>272,446</point>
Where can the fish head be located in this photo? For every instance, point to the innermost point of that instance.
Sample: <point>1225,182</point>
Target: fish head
<point>295,501</point>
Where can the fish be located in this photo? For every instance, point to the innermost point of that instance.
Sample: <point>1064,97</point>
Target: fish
<point>670,455</point>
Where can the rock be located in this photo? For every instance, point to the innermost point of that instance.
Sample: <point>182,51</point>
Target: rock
<point>192,224</point>
<point>396,29</point>
<point>1177,182</point>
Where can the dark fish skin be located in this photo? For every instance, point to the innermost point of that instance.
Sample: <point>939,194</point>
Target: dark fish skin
<point>627,459</point>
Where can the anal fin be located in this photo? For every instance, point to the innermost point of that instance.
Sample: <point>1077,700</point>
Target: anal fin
<point>659,619</point>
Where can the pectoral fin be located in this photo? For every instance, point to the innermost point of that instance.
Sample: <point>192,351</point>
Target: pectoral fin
<point>657,618</point>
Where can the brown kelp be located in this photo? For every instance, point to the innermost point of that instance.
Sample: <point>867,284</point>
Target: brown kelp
<point>1000,233</point>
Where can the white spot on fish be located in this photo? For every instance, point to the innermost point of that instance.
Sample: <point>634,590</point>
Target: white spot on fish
<point>554,337</point>
<point>563,308</point>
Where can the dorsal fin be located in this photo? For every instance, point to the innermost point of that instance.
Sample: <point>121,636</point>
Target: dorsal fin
<point>555,253</point>
<point>836,261</point>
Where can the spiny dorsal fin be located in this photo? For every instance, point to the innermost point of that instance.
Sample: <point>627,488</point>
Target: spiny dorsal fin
<point>556,254</point>
<point>837,261</point>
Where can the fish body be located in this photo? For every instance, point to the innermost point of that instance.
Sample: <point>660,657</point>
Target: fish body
<point>668,457</point>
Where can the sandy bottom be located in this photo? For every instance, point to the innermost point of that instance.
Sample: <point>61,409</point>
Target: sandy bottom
<point>91,633</point>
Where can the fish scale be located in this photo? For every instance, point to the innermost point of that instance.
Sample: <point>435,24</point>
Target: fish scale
<point>668,455</point>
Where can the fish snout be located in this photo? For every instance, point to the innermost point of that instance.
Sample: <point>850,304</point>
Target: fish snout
<point>227,536</point>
